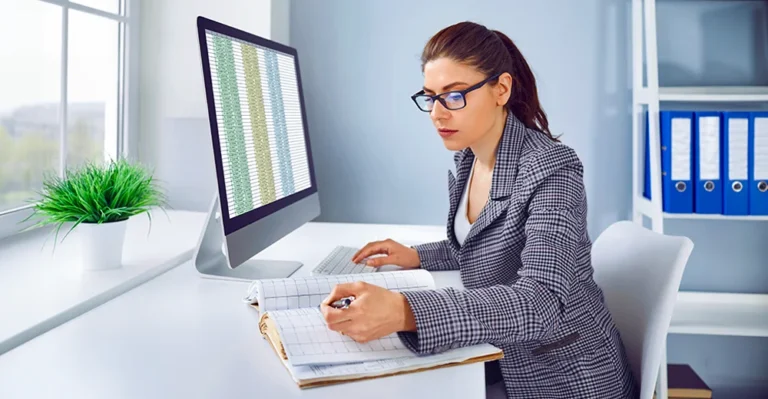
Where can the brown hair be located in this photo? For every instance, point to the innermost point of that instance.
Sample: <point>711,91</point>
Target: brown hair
<point>492,52</point>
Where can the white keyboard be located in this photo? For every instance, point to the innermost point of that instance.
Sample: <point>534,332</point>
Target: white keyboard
<point>339,261</point>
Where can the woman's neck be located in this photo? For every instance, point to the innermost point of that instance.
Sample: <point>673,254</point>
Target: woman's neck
<point>485,148</point>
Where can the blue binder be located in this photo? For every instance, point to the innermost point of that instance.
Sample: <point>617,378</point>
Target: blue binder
<point>677,171</point>
<point>709,188</point>
<point>736,187</point>
<point>647,163</point>
<point>758,164</point>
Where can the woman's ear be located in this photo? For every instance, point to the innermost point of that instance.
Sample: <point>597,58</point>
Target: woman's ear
<point>504,88</point>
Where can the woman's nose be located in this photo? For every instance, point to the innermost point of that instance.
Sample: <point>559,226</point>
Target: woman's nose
<point>439,111</point>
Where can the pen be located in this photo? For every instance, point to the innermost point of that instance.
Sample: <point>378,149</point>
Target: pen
<point>342,303</point>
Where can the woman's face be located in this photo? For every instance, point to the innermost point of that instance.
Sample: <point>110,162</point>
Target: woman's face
<point>463,127</point>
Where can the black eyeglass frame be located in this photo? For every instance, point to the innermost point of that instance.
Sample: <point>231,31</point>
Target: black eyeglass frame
<point>439,97</point>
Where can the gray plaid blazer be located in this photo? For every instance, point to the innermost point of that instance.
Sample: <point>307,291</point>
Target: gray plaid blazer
<point>527,272</point>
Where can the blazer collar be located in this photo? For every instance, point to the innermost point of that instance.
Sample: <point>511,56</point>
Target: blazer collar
<point>504,174</point>
<point>507,160</point>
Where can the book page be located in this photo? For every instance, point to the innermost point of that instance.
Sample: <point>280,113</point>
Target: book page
<point>387,366</point>
<point>308,341</point>
<point>307,292</point>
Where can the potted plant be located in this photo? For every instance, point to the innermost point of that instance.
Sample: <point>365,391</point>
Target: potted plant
<point>96,201</point>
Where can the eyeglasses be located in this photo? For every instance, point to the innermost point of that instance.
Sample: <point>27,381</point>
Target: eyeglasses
<point>451,100</point>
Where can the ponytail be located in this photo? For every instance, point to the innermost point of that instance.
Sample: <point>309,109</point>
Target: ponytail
<point>524,100</point>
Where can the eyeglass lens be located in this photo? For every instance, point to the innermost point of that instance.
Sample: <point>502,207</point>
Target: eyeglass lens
<point>452,100</point>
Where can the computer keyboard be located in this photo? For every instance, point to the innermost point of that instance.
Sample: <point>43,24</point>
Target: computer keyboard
<point>339,261</point>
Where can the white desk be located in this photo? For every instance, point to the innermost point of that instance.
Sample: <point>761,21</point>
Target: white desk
<point>182,336</point>
<point>41,287</point>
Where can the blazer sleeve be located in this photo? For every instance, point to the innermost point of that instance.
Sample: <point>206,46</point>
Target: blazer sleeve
<point>436,256</point>
<point>530,308</point>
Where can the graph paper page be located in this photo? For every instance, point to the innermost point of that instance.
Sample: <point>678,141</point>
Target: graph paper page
<point>308,341</point>
<point>309,292</point>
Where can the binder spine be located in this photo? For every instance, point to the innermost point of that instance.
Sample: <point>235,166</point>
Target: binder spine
<point>736,128</point>
<point>758,164</point>
<point>708,165</point>
<point>677,161</point>
<point>647,162</point>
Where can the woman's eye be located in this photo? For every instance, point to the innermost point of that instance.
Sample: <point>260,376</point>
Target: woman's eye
<point>454,97</point>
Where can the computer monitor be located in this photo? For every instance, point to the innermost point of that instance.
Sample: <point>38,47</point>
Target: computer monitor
<point>261,151</point>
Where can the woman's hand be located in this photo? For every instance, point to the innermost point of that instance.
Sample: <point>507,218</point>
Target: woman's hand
<point>376,312</point>
<point>396,254</point>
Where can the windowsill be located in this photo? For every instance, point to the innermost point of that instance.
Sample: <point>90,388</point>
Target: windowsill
<point>12,225</point>
<point>41,288</point>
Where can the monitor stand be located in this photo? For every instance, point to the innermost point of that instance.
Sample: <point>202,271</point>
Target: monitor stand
<point>211,260</point>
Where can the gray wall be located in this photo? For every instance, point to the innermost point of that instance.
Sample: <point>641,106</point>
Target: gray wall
<point>378,158</point>
<point>360,64</point>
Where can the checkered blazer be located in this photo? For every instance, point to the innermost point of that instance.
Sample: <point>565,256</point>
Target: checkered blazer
<point>527,272</point>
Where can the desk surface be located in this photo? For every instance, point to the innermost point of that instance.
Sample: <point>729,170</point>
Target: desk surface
<point>42,287</point>
<point>183,336</point>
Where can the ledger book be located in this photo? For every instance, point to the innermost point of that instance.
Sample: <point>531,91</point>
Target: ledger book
<point>291,321</point>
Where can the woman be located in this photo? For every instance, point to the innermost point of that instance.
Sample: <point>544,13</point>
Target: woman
<point>516,230</point>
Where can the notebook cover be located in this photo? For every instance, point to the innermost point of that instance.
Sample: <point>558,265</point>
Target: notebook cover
<point>269,331</point>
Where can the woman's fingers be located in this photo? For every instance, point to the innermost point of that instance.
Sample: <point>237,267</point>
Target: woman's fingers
<point>340,291</point>
<point>382,260</point>
<point>370,249</point>
<point>333,315</point>
<point>338,323</point>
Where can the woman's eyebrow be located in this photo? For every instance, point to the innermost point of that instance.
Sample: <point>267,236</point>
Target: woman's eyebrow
<point>446,87</point>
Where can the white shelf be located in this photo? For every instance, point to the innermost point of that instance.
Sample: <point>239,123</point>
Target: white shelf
<point>644,206</point>
<point>714,94</point>
<point>710,313</point>
<point>700,216</point>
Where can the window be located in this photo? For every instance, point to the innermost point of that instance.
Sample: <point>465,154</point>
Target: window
<point>62,94</point>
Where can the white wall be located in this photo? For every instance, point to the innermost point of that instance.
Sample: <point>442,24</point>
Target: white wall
<point>173,134</point>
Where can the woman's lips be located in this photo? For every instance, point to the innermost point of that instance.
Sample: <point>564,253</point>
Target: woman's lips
<point>446,132</point>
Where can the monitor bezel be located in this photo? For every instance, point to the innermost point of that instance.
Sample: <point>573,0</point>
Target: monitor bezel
<point>232,225</point>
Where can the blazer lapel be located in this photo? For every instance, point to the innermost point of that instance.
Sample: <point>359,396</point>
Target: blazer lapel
<point>504,174</point>
<point>490,212</point>
<point>456,187</point>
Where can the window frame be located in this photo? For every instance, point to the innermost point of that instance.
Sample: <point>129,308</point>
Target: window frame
<point>128,94</point>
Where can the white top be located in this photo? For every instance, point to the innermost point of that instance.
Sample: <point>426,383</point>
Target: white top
<point>461,225</point>
<point>183,336</point>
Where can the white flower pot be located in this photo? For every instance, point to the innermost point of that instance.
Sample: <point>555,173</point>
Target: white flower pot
<point>102,244</point>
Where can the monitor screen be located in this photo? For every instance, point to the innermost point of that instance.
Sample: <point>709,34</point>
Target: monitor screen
<point>261,144</point>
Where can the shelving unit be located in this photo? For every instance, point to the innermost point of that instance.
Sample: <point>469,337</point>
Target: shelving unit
<point>716,94</point>
<point>708,313</point>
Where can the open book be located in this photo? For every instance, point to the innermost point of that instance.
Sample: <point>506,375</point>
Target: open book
<point>291,321</point>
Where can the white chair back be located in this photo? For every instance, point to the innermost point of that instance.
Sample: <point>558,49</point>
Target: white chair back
<point>639,272</point>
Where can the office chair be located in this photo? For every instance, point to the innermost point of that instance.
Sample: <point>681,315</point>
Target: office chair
<point>639,272</point>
